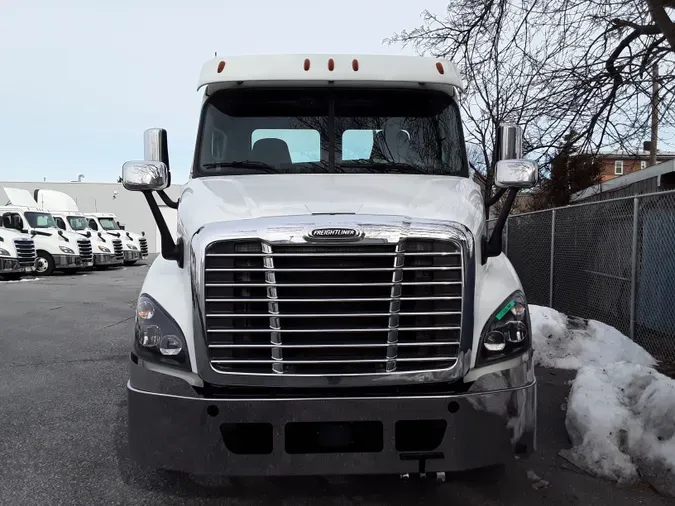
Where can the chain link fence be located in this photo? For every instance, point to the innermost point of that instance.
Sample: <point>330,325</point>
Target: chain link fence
<point>612,261</point>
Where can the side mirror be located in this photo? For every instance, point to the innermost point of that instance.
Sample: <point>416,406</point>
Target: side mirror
<point>145,176</point>
<point>516,174</point>
<point>16,223</point>
<point>510,142</point>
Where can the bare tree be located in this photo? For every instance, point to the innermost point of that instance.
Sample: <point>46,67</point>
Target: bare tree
<point>552,66</point>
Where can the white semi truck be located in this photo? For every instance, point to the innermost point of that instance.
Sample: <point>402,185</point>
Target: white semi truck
<point>135,246</point>
<point>56,250</point>
<point>108,251</point>
<point>332,303</point>
<point>17,254</point>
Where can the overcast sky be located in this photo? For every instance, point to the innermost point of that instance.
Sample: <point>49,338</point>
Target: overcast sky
<point>80,80</point>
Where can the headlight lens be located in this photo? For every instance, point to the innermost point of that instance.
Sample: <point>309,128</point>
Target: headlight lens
<point>103,249</point>
<point>66,250</point>
<point>157,336</point>
<point>4,253</point>
<point>507,332</point>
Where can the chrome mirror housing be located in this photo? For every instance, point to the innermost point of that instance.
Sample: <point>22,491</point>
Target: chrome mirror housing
<point>510,142</point>
<point>145,176</point>
<point>516,174</point>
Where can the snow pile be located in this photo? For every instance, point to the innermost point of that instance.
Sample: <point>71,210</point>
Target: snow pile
<point>621,411</point>
<point>564,342</point>
<point>621,420</point>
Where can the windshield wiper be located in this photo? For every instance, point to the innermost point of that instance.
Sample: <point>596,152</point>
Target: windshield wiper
<point>243,164</point>
<point>384,166</point>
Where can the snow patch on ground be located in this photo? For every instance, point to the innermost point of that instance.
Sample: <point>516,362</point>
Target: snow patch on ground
<point>22,280</point>
<point>621,411</point>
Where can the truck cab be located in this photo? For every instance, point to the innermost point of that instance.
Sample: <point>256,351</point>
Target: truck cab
<point>56,250</point>
<point>17,254</point>
<point>333,289</point>
<point>135,246</point>
<point>107,251</point>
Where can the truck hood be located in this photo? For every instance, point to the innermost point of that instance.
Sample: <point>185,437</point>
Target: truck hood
<point>226,198</point>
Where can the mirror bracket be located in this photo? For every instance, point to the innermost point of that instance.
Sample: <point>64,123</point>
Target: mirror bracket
<point>493,247</point>
<point>170,250</point>
<point>167,200</point>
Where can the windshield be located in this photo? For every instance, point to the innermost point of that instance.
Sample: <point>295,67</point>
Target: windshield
<point>78,222</point>
<point>320,130</point>
<point>40,220</point>
<point>108,223</point>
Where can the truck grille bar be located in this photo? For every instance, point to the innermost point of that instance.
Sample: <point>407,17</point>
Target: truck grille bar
<point>85,249</point>
<point>25,250</point>
<point>144,246</point>
<point>355,309</point>
<point>118,249</point>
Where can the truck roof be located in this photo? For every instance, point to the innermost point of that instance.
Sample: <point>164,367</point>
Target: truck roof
<point>101,215</point>
<point>55,200</point>
<point>24,209</point>
<point>322,69</point>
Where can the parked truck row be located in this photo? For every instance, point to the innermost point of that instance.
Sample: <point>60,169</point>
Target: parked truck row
<point>46,232</point>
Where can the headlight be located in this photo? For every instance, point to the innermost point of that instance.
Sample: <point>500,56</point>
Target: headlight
<point>66,250</point>
<point>507,332</point>
<point>131,246</point>
<point>103,249</point>
<point>4,253</point>
<point>157,336</point>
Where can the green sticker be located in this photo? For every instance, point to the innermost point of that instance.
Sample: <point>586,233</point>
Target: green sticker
<point>505,309</point>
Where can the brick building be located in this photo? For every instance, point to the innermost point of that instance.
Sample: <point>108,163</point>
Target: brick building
<point>620,164</point>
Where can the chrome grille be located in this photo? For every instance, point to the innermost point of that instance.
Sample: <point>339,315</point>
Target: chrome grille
<point>144,246</point>
<point>86,251</point>
<point>25,251</point>
<point>333,309</point>
<point>118,249</point>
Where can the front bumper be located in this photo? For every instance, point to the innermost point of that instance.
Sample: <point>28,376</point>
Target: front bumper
<point>172,427</point>
<point>107,259</point>
<point>131,255</point>
<point>12,266</point>
<point>69,262</point>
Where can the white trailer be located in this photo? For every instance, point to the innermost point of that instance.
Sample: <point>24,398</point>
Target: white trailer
<point>333,302</point>
<point>56,250</point>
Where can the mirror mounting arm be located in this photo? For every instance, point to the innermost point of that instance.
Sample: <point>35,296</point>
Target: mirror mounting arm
<point>495,198</point>
<point>493,246</point>
<point>170,250</point>
<point>167,200</point>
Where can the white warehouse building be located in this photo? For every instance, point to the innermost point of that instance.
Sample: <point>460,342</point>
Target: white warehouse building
<point>131,208</point>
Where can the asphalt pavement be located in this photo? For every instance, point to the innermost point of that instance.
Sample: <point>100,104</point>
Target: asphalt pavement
<point>64,348</point>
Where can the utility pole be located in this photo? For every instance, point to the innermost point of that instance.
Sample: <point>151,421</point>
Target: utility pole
<point>655,115</point>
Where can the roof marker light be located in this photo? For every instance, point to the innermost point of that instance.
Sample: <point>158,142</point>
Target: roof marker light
<point>331,64</point>
<point>306,63</point>
<point>439,67</point>
<point>355,65</point>
<point>221,66</point>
